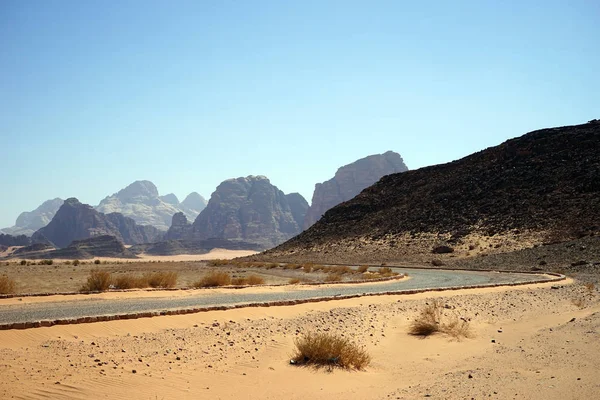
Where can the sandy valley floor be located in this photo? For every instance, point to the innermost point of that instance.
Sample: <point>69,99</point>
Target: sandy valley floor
<point>531,342</point>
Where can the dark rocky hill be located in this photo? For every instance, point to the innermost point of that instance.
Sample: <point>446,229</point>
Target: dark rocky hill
<point>540,187</point>
<point>180,227</point>
<point>10,240</point>
<point>249,209</point>
<point>76,221</point>
<point>349,181</point>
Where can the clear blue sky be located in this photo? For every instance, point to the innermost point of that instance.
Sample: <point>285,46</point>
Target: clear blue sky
<point>97,94</point>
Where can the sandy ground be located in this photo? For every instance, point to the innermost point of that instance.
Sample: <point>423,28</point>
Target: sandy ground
<point>546,345</point>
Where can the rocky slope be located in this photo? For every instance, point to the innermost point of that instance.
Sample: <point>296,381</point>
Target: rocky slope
<point>30,221</point>
<point>141,202</point>
<point>541,187</point>
<point>180,227</point>
<point>249,209</point>
<point>349,181</point>
<point>76,221</point>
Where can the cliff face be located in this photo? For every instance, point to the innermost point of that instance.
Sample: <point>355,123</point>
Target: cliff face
<point>76,221</point>
<point>180,227</point>
<point>141,202</point>
<point>349,181</point>
<point>249,209</point>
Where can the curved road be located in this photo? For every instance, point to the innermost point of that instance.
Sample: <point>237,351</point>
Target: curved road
<point>420,279</point>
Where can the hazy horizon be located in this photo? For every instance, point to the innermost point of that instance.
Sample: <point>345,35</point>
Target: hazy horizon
<point>94,96</point>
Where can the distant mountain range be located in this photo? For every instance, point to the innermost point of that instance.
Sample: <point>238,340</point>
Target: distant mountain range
<point>249,211</point>
<point>139,201</point>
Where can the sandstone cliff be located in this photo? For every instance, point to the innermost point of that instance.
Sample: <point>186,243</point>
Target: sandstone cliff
<point>249,209</point>
<point>349,181</point>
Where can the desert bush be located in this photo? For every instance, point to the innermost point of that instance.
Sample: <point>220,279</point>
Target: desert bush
<point>97,262</point>
<point>129,281</point>
<point>328,350</point>
<point>271,265</point>
<point>254,280</point>
<point>7,285</point>
<point>294,281</point>
<point>363,268</point>
<point>98,281</point>
<point>590,287</point>
<point>579,302</point>
<point>437,263</point>
<point>161,279</point>
<point>46,262</point>
<point>333,277</point>
<point>341,269</point>
<point>75,262</point>
<point>307,268</point>
<point>218,262</point>
<point>249,280</point>
<point>432,320</point>
<point>214,279</point>
<point>23,262</point>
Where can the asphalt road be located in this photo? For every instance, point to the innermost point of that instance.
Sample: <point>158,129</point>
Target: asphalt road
<point>420,279</point>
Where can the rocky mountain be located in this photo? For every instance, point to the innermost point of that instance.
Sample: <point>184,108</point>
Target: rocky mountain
<point>249,209</point>
<point>349,181</point>
<point>141,202</point>
<point>180,227</point>
<point>298,206</point>
<point>30,221</point>
<point>194,201</point>
<point>542,187</point>
<point>76,221</point>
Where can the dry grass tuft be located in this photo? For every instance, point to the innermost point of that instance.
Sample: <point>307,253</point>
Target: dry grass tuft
<point>333,277</point>
<point>129,281</point>
<point>7,285</point>
<point>328,350</point>
<point>432,320</point>
<point>363,268</point>
<point>590,287</point>
<point>579,302</point>
<point>214,279</point>
<point>249,280</point>
<point>294,281</point>
<point>98,281</point>
<point>161,279</point>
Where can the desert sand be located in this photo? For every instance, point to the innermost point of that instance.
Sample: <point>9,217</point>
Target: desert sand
<point>529,342</point>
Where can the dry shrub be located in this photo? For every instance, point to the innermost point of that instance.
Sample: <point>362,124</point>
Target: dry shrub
<point>307,268</point>
<point>98,281</point>
<point>432,320</point>
<point>7,285</point>
<point>218,263</point>
<point>294,281</point>
<point>318,267</point>
<point>579,302</point>
<point>249,280</point>
<point>129,281</point>
<point>214,279</point>
<point>363,268</point>
<point>590,287</point>
<point>254,280</point>
<point>272,265</point>
<point>333,278</point>
<point>341,269</point>
<point>161,279</point>
<point>437,263</point>
<point>328,350</point>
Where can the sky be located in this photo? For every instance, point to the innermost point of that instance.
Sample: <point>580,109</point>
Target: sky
<point>95,95</point>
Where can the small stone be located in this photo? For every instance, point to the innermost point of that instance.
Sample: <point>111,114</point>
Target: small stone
<point>133,371</point>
